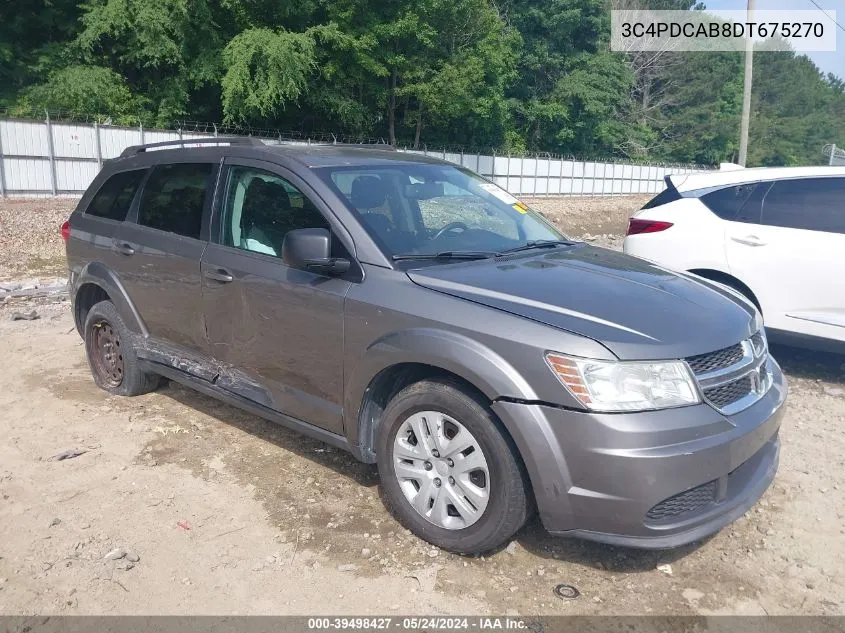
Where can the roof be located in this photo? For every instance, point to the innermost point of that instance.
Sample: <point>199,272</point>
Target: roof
<point>316,155</point>
<point>349,155</point>
<point>710,179</point>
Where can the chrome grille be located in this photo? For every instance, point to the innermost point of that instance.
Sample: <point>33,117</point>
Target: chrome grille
<point>716,360</point>
<point>734,378</point>
<point>725,395</point>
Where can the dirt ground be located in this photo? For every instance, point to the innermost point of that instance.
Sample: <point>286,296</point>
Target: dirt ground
<point>229,514</point>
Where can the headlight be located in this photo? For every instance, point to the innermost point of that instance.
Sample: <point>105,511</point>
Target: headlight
<point>625,386</point>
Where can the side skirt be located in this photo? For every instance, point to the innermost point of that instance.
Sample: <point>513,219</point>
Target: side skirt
<point>209,389</point>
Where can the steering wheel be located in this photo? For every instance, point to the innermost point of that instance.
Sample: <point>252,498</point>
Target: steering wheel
<point>450,227</point>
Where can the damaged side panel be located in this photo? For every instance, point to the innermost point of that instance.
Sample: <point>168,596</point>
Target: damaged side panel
<point>217,374</point>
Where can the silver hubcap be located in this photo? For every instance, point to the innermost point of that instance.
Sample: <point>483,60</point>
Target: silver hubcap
<point>441,470</point>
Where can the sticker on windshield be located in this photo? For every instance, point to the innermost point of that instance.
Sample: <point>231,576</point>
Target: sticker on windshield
<point>498,192</point>
<point>521,207</point>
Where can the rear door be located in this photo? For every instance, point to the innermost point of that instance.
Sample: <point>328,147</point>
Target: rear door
<point>96,228</point>
<point>282,327</point>
<point>160,250</point>
<point>794,258</point>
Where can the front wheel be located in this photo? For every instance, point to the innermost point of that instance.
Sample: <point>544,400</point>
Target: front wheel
<point>448,470</point>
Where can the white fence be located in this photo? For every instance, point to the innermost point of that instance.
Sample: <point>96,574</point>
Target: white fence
<point>49,159</point>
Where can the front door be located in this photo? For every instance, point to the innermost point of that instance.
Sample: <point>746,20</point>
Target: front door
<point>281,327</point>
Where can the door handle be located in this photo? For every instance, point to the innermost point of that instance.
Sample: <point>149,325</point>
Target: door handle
<point>124,248</point>
<point>220,275</point>
<point>749,240</point>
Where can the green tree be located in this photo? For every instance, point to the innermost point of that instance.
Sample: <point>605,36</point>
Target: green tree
<point>793,110</point>
<point>572,91</point>
<point>33,40</point>
<point>86,89</point>
<point>168,50</point>
<point>264,71</point>
<point>699,121</point>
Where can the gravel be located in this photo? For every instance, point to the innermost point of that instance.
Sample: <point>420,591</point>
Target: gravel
<point>30,242</point>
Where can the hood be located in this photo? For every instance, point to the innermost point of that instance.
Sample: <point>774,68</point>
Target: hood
<point>634,308</point>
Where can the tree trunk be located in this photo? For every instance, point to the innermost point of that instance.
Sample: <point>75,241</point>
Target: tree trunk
<point>391,109</point>
<point>419,128</point>
<point>646,99</point>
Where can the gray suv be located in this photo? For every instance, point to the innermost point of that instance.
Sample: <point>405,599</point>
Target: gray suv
<point>415,314</point>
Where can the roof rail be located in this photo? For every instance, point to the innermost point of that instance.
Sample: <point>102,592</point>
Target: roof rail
<point>387,147</point>
<point>134,150</point>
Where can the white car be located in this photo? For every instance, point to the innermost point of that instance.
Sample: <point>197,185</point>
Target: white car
<point>777,235</point>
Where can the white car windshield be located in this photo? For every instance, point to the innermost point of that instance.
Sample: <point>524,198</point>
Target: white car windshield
<point>419,209</point>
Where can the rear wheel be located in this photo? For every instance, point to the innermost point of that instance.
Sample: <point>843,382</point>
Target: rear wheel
<point>111,355</point>
<point>448,471</point>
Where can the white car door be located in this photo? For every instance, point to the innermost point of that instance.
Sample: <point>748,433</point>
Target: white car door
<point>794,258</point>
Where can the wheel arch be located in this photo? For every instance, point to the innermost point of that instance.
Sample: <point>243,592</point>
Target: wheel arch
<point>97,283</point>
<point>400,359</point>
<point>729,280</point>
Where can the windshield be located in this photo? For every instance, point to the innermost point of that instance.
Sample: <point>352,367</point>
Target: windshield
<point>419,209</point>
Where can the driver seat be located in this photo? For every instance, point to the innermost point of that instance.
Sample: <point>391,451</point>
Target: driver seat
<point>368,193</point>
<point>266,203</point>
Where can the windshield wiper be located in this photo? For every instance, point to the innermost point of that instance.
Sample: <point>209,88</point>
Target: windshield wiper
<point>447,255</point>
<point>536,244</point>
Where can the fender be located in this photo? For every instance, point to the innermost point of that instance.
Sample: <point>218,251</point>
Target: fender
<point>477,364</point>
<point>98,274</point>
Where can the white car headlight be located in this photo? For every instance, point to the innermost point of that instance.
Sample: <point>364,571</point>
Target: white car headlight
<point>603,385</point>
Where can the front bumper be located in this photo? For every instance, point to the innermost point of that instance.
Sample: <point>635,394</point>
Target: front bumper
<point>654,479</point>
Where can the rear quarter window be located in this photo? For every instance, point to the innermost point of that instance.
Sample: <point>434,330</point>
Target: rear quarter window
<point>737,203</point>
<point>115,196</point>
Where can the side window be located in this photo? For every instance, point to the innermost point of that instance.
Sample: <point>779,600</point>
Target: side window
<point>737,203</point>
<point>174,198</point>
<point>261,208</point>
<point>814,204</point>
<point>114,198</point>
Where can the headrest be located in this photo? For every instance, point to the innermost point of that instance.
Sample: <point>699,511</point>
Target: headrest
<point>368,192</point>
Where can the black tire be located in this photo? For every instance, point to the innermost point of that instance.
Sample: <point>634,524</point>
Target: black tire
<point>509,503</point>
<point>111,355</point>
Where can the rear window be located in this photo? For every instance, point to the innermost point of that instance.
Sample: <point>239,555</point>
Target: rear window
<point>670,194</point>
<point>115,197</point>
<point>734,203</point>
<point>174,198</point>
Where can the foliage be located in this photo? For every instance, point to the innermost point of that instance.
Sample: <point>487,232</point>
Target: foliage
<point>264,71</point>
<point>517,75</point>
<point>89,89</point>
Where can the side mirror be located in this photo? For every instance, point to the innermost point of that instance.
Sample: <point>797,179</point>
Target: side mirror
<point>310,249</point>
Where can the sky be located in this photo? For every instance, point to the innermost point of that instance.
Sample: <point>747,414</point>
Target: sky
<point>826,61</point>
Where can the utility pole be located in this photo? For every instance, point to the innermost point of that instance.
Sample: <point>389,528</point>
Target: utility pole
<point>746,91</point>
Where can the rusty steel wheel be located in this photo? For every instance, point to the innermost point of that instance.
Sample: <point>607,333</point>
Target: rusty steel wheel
<point>111,353</point>
<point>106,353</point>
